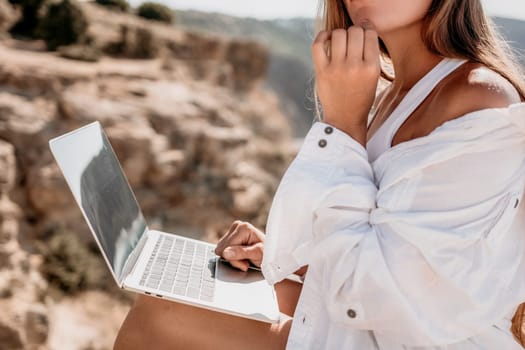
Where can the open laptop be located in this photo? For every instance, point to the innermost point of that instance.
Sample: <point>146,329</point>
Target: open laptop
<point>155,263</point>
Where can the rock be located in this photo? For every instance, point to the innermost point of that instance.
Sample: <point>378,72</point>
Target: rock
<point>7,163</point>
<point>249,61</point>
<point>24,123</point>
<point>9,215</point>
<point>8,16</point>
<point>10,338</point>
<point>134,42</point>
<point>84,108</point>
<point>197,46</point>
<point>23,321</point>
<point>167,166</point>
<point>218,146</point>
<point>9,212</point>
<point>47,189</point>
<point>80,52</point>
<point>133,145</point>
<point>250,200</point>
<point>36,324</point>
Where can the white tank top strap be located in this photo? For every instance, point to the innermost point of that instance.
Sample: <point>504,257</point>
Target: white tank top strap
<point>382,138</point>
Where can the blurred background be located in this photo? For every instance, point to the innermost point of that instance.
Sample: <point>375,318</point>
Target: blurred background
<point>205,103</point>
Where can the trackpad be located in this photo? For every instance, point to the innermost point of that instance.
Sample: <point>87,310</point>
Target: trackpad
<point>228,273</point>
<point>246,292</point>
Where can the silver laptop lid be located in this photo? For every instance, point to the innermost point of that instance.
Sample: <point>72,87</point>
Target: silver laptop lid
<point>94,175</point>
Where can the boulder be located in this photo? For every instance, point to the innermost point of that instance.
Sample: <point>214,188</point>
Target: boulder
<point>8,16</point>
<point>8,166</point>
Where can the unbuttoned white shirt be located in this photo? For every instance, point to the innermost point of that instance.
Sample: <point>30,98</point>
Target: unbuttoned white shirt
<point>424,248</point>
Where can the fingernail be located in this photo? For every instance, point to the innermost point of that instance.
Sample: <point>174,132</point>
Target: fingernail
<point>228,253</point>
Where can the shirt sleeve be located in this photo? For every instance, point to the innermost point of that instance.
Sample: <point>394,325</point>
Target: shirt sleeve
<point>430,260</point>
<point>289,229</point>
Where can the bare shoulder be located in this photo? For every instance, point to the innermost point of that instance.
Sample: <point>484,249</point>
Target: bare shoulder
<point>474,87</point>
<point>471,87</point>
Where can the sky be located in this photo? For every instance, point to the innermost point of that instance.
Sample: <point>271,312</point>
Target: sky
<point>266,9</point>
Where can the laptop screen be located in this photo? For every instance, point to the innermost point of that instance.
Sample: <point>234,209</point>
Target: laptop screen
<point>102,191</point>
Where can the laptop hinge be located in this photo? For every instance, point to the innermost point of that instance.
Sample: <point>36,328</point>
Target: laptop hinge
<point>133,256</point>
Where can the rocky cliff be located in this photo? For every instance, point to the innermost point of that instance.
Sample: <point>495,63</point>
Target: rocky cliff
<point>201,142</point>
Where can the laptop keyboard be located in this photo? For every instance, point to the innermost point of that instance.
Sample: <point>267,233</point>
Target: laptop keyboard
<point>181,267</point>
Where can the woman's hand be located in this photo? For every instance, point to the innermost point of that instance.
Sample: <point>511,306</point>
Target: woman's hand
<point>242,244</point>
<point>347,69</point>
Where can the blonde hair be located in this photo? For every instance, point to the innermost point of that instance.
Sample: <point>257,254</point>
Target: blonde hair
<point>451,28</point>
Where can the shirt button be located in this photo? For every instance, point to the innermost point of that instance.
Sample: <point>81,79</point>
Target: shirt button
<point>351,313</point>
<point>328,130</point>
<point>516,204</point>
<point>322,143</point>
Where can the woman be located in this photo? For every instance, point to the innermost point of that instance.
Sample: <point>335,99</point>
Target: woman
<point>411,238</point>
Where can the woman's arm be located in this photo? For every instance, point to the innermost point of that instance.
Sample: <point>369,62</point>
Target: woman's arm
<point>428,257</point>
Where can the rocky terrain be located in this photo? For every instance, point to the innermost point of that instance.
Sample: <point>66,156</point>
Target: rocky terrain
<point>200,140</point>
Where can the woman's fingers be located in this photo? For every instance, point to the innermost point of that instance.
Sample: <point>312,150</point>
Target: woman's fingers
<point>240,264</point>
<point>319,54</point>
<point>371,45</point>
<point>355,42</point>
<point>236,235</point>
<point>253,252</point>
<point>224,240</point>
<point>241,233</point>
<point>338,46</point>
<point>238,256</point>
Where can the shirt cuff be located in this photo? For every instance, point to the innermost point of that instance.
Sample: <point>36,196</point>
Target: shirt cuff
<point>325,141</point>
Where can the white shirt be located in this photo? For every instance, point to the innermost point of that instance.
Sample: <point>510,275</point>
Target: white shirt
<point>424,248</point>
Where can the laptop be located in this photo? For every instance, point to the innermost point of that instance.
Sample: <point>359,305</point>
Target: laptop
<point>162,265</point>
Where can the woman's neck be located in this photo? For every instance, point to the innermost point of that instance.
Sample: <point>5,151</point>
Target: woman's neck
<point>410,57</point>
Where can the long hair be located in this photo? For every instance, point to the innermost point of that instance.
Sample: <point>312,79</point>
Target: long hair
<point>451,28</point>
